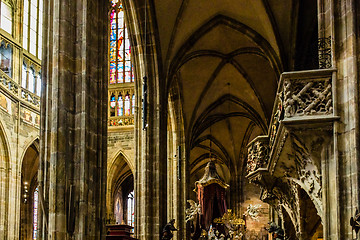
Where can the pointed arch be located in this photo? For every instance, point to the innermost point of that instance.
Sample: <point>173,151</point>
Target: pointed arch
<point>4,178</point>
<point>119,170</point>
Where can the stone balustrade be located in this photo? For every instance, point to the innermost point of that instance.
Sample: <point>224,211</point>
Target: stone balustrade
<point>8,83</point>
<point>30,97</point>
<point>121,121</point>
<point>17,91</point>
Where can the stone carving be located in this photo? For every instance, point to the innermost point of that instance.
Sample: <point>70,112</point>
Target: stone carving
<point>309,177</point>
<point>30,97</point>
<point>258,155</point>
<point>9,83</point>
<point>287,193</point>
<point>276,118</point>
<point>268,197</point>
<point>307,97</point>
<point>253,211</point>
<point>193,211</point>
<point>324,47</point>
<point>355,221</point>
<point>168,229</point>
<point>281,146</point>
<point>121,121</point>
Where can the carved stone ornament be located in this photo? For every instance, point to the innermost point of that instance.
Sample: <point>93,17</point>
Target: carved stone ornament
<point>309,177</point>
<point>324,47</point>
<point>307,97</point>
<point>258,155</point>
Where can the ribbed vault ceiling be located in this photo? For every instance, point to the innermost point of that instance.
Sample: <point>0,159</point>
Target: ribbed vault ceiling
<point>225,57</point>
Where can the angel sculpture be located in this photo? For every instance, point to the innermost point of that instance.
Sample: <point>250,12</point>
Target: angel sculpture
<point>192,211</point>
<point>253,211</point>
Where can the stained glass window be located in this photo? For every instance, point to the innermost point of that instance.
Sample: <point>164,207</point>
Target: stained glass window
<point>120,106</point>
<point>133,104</point>
<point>32,26</point>
<point>121,69</point>
<point>112,101</point>
<point>131,209</point>
<point>127,104</point>
<point>35,213</point>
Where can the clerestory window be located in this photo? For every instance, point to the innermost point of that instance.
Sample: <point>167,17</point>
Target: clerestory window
<point>6,16</point>
<point>121,68</point>
<point>32,27</point>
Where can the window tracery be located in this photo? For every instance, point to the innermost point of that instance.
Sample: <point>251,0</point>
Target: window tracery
<point>121,69</point>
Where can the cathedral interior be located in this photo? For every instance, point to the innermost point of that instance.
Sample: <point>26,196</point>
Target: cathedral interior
<point>179,119</point>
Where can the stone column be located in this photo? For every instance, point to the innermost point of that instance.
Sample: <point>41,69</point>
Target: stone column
<point>72,175</point>
<point>150,144</point>
<point>337,21</point>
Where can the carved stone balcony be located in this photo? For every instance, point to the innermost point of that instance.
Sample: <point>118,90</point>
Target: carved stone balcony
<point>301,130</point>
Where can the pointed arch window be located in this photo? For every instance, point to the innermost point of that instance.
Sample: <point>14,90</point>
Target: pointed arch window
<point>31,79</point>
<point>133,104</point>
<point>131,209</point>
<point>35,213</point>
<point>38,84</point>
<point>127,104</point>
<point>121,68</point>
<point>120,106</point>
<point>24,76</point>
<point>32,27</point>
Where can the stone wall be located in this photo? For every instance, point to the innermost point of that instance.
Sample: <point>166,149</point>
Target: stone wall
<point>18,130</point>
<point>121,140</point>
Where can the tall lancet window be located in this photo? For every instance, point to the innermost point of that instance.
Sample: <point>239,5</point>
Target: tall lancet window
<point>35,213</point>
<point>121,68</point>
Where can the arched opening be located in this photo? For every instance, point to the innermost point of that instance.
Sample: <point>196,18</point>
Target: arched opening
<point>311,221</point>
<point>29,205</point>
<point>124,202</point>
<point>288,225</point>
<point>120,196</point>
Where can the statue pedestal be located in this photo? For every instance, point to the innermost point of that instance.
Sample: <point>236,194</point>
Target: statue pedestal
<point>119,232</point>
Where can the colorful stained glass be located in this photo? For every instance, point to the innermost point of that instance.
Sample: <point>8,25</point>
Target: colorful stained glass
<point>131,209</point>
<point>133,104</point>
<point>35,213</point>
<point>120,51</point>
<point>112,101</point>
<point>120,106</point>
<point>127,105</point>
